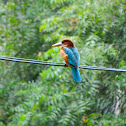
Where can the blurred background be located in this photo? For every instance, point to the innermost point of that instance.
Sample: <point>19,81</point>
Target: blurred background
<point>37,95</point>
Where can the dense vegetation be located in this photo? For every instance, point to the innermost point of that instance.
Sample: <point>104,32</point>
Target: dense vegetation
<point>36,95</point>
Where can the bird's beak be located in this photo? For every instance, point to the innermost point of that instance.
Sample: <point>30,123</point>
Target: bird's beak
<point>57,44</point>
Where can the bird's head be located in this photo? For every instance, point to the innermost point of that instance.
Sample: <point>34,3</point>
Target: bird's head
<point>65,43</point>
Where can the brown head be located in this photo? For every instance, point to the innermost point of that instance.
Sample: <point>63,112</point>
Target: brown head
<point>65,43</point>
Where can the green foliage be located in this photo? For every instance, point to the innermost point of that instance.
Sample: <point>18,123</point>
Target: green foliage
<point>33,95</point>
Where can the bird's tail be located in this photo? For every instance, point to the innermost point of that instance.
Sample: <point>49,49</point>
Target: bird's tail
<point>76,74</point>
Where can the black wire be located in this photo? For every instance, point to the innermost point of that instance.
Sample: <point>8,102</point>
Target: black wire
<point>3,57</point>
<point>101,68</point>
<point>32,61</point>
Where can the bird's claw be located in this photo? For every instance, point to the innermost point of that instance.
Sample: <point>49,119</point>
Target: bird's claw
<point>66,65</point>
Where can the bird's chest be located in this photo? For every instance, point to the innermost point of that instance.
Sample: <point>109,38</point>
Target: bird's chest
<point>64,55</point>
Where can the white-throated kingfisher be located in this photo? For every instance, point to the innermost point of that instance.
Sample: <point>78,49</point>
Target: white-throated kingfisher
<point>70,55</point>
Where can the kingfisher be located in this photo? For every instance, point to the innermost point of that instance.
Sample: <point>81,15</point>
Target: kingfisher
<point>70,55</point>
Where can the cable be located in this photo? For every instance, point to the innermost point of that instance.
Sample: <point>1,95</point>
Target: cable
<point>102,68</point>
<point>32,61</point>
<point>28,59</point>
<point>23,60</point>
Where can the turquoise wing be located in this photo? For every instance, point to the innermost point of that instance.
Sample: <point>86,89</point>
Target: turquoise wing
<point>76,54</point>
<point>73,61</point>
<point>71,57</point>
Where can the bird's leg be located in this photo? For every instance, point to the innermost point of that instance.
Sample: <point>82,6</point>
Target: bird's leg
<point>66,65</point>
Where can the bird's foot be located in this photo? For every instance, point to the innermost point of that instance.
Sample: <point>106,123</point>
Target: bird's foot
<point>66,65</point>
